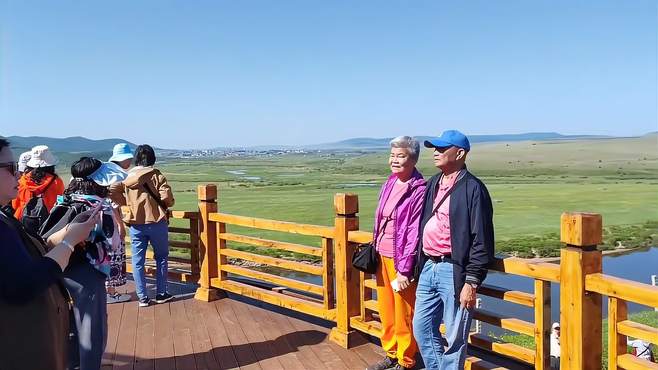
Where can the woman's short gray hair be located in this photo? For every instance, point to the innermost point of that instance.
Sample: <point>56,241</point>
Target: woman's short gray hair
<point>409,143</point>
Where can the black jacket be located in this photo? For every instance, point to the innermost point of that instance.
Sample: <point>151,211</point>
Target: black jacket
<point>471,229</point>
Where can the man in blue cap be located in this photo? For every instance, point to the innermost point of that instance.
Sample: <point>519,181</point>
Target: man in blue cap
<point>454,251</point>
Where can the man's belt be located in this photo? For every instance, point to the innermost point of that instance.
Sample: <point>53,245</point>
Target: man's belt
<point>439,259</point>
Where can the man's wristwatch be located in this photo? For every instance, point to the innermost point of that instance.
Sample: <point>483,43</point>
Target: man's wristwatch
<point>473,285</point>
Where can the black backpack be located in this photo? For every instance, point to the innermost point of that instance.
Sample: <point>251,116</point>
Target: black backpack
<point>35,212</point>
<point>64,212</point>
<point>60,216</point>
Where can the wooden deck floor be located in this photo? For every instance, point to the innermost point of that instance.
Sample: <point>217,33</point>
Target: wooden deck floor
<point>187,334</point>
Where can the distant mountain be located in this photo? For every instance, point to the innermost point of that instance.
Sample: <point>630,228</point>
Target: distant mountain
<point>374,143</point>
<point>68,144</point>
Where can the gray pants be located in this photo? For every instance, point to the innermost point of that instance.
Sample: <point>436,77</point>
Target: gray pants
<point>89,322</point>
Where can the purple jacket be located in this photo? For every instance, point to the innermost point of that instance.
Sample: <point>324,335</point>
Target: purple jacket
<point>407,221</point>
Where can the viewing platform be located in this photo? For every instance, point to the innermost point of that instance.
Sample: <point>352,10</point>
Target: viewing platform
<point>243,317</point>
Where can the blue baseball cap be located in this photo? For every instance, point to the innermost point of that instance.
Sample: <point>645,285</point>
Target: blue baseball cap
<point>449,138</point>
<point>121,152</point>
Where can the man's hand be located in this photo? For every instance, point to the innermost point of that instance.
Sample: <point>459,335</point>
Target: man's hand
<point>467,296</point>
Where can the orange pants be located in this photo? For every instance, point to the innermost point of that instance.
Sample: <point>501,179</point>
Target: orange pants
<point>396,311</point>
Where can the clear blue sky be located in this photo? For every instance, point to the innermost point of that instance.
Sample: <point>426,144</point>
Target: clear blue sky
<point>184,74</point>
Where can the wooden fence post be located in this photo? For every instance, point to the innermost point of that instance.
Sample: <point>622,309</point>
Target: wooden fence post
<point>542,325</point>
<point>347,277</point>
<point>207,195</point>
<point>580,311</point>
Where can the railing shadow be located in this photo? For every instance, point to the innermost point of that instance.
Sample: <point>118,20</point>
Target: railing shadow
<point>225,357</point>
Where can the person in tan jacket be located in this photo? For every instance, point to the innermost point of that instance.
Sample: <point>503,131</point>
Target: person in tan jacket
<point>148,196</point>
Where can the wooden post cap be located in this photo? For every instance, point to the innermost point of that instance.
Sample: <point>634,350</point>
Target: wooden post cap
<point>207,192</point>
<point>346,204</point>
<point>581,229</point>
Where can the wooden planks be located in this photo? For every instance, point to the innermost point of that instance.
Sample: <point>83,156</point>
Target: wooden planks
<point>125,349</point>
<point>224,334</point>
<point>163,346</point>
<point>244,354</point>
<point>144,340</point>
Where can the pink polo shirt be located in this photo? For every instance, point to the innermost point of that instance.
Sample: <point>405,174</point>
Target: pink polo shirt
<point>436,235</point>
<point>386,241</point>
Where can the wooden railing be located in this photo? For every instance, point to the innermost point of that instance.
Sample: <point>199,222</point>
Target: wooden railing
<point>619,292</point>
<point>185,268</point>
<point>346,295</point>
<point>542,273</point>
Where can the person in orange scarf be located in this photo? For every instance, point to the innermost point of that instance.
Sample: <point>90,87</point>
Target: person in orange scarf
<point>41,179</point>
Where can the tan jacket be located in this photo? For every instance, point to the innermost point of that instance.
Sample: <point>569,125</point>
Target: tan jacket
<point>143,209</point>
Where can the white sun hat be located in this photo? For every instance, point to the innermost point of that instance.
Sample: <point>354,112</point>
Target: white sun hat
<point>41,156</point>
<point>23,159</point>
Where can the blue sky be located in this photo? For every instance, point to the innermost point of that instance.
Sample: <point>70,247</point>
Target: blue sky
<point>185,74</point>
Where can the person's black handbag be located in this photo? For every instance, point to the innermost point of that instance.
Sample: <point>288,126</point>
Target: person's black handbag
<point>366,258</point>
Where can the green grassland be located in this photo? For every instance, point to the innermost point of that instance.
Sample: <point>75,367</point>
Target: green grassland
<point>531,184</point>
<point>649,318</point>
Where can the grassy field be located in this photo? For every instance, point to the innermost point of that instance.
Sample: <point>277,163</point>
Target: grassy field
<point>531,185</point>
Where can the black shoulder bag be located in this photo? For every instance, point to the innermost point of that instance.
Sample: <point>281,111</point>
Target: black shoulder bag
<point>366,257</point>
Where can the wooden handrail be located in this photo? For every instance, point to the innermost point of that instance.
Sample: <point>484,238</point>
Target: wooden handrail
<point>273,225</point>
<point>359,236</point>
<point>536,270</point>
<point>514,296</point>
<point>266,243</point>
<point>625,289</point>
<point>637,330</point>
<point>272,261</point>
<point>183,214</point>
<point>347,295</point>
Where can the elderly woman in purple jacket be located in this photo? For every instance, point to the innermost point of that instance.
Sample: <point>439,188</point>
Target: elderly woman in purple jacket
<point>396,236</point>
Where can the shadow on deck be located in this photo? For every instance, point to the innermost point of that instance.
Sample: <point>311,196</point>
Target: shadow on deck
<point>233,333</point>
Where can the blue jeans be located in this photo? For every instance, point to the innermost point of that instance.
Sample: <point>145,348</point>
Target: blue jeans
<point>140,236</point>
<point>436,302</point>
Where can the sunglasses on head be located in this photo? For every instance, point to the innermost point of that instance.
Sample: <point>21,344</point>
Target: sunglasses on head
<point>12,167</point>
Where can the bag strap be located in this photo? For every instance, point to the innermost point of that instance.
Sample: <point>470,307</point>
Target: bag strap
<point>383,227</point>
<point>154,196</point>
<point>388,218</point>
<point>447,194</point>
